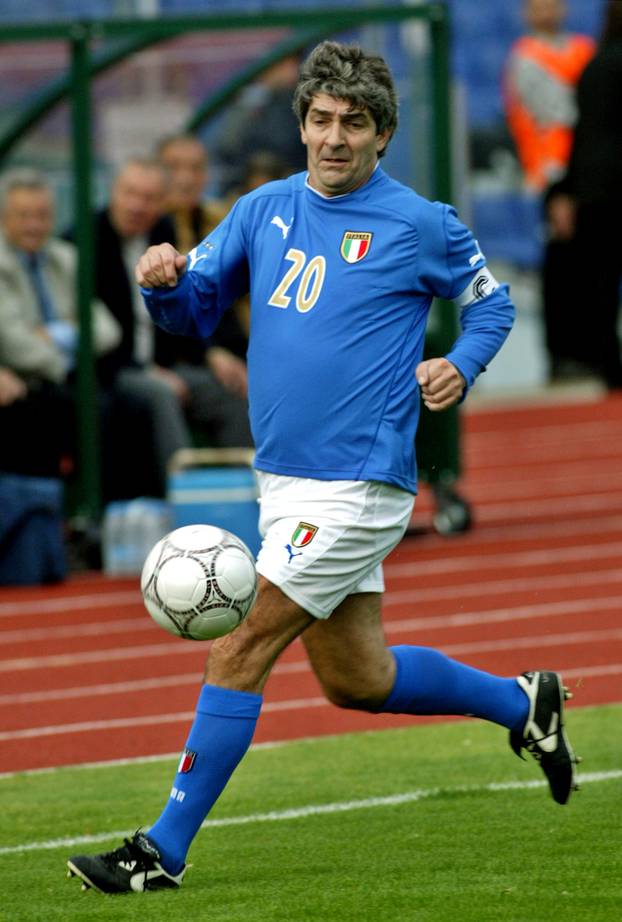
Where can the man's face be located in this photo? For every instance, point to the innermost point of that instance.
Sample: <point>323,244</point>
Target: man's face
<point>137,199</point>
<point>28,218</point>
<point>186,163</point>
<point>342,144</point>
<point>545,15</point>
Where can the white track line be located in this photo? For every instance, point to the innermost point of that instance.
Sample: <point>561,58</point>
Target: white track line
<point>449,563</point>
<point>546,433</point>
<point>495,457</point>
<point>144,624</point>
<point>60,660</point>
<point>478,589</point>
<point>583,638</point>
<point>553,486</point>
<point>485,534</point>
<point>120,723</point>
<point>103,599</point>
<point>182,648</point>
<point>520,584</point>
<point>511,613</point>
<point>479,560</point>
<point>309,810</point>
<point>176,681</point>
<point>533,508</point>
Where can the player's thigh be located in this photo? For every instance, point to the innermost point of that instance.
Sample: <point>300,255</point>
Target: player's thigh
<point>349,655</point>
<point>244,658</point>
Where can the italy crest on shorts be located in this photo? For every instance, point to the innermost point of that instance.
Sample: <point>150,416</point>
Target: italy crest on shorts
<point>355,245</point>
<point>303,534</point>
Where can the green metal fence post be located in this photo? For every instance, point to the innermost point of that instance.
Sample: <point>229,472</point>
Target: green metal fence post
<point>438,439</point>
<point>89,489</point>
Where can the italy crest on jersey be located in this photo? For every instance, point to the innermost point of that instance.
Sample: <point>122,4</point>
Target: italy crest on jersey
<point>303,534</point>
<point>355,245</point>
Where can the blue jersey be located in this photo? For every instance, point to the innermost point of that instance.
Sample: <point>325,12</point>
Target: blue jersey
<point>340,291</point>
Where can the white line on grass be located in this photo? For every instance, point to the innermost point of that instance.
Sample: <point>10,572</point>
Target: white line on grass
<point>296,813</point>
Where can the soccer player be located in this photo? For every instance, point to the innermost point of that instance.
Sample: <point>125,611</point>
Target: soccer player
<point>342,265</point>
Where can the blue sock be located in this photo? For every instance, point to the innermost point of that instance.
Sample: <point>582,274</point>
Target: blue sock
<point>220,735</point>
<point>428,682</point>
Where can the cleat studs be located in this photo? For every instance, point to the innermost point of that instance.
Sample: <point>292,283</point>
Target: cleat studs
<point>70,873</point>
<point>578,760</point>
<point>84,887</point>
<point>567,695</point>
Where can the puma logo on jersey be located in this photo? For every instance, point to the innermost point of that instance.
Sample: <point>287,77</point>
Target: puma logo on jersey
<point>283,227</point>
<point>477,257</point>
<point>194,256</point>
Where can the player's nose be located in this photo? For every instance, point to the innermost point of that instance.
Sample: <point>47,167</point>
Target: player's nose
<point>334,137</point>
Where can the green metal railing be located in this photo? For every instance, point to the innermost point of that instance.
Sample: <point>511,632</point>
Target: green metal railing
<point>127,36</point>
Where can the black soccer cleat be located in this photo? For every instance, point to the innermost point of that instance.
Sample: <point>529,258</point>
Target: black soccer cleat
<point>132,868</point>
<point>543,734</point>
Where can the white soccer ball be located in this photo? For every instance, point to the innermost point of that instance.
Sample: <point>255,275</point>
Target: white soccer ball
<point>199,582</point>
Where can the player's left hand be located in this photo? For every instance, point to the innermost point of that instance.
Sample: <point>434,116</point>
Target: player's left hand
<point>441,383</point>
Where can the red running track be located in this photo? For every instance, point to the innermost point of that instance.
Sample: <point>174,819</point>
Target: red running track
<point>86,676</point>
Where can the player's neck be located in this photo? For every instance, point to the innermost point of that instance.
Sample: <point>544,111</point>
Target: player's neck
<point>338,195</point>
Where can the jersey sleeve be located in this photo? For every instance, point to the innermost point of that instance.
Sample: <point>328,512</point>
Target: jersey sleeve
<point>454,268</point>
<point>216,276</point>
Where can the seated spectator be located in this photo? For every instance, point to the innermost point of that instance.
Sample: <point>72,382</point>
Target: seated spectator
<point>39,329</point>
<point>186,160</point>
<point>166,376</point>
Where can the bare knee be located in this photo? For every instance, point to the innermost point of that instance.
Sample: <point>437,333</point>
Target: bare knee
<point>355,697</point>
<point>243,659</point>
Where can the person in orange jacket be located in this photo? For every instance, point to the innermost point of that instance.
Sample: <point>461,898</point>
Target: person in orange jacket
<point>541,75</point>
<point>542,72</point>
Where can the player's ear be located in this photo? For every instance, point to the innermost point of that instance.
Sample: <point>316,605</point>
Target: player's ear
<point>303,133</point>
<point>382,140</point>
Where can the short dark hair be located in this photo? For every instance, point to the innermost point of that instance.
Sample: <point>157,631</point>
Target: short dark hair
<point>348,72</point>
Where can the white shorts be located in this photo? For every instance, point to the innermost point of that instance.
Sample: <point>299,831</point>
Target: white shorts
<point>326,539</point>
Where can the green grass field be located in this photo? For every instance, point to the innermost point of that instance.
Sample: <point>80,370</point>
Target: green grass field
<point>454,847</point>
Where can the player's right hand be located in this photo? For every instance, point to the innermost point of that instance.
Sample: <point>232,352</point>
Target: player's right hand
<point>160,267</point>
